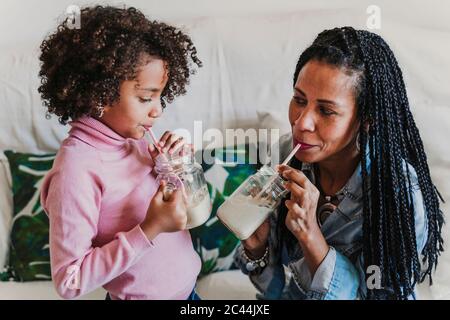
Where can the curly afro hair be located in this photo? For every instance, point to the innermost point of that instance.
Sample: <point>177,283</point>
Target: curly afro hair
<point>82,69</point>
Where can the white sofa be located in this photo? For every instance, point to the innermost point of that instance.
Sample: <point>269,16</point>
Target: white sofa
<point>224,285</point>
<point>249,51</point>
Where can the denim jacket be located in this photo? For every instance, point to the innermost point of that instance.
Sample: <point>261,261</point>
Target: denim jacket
<point>341,274</point>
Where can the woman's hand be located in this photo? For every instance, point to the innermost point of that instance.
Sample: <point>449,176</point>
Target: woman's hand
<point>255,245</point>
<point>301,217</point>
<point>168,215</point>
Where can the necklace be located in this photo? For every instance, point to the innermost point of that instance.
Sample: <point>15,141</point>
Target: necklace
<point>325,210</point>
<point>326,205</point>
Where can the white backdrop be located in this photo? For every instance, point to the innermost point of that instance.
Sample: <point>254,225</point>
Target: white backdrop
<point>249,50</point>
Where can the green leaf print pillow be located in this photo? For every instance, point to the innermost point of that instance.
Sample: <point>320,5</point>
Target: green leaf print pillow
<point>213,241</point>
<point>29,258</point>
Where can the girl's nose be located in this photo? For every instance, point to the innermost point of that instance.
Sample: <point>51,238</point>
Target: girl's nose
<point>156,110</point>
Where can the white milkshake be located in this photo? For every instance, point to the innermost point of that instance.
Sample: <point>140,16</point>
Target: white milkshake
<point>250,204</point>
<point>242,215</point>
<point>199,211</point>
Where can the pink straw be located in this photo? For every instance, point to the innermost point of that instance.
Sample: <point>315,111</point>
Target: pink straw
<point>155,141</point>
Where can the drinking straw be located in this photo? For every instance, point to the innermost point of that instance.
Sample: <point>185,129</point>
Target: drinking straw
<point>289,157</point>
<point>156,144</point>
<point>155,141</point>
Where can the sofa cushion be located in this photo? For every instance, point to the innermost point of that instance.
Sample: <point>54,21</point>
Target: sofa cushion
<point>226,285</point>
<point>5,207</point>
<point>29,256</point>
<point>41,290</point>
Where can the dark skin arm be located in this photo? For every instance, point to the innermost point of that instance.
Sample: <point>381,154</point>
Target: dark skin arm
<point>301,217</point>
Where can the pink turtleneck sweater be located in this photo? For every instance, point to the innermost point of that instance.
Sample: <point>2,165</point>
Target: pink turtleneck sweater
<point>96,195</point>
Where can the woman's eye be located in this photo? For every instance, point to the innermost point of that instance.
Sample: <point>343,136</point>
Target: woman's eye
<point>326,111</point>
<point>145,100</point>
<point>300,101</point>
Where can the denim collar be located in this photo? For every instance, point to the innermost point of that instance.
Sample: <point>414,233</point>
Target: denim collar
<point>352,189</point>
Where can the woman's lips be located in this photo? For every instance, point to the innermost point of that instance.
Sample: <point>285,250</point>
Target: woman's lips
<point>304,145</point>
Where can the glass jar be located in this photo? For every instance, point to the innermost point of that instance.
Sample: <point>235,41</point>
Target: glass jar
<point>252,202</point>
<point>180,171</point>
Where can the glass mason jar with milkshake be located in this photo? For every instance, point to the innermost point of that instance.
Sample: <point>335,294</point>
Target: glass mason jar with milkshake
<point>181,172</point>
<point>252,202</point>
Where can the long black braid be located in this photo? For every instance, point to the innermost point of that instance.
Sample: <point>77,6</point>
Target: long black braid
<point>389,239</point>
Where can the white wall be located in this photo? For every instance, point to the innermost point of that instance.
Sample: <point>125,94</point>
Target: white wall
<point>249,49</point>
<point>38,17</point>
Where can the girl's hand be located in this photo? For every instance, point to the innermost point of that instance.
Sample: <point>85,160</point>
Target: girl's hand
<point>301,217</point>
<point>168,215</point>
<point>170,143</point>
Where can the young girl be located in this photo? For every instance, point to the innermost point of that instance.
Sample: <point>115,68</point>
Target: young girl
<point>109,225</point>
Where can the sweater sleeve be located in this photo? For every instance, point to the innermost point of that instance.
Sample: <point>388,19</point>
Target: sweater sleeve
<point>72,202</point>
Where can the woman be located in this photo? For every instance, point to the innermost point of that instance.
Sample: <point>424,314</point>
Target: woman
<point>362,208</point>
